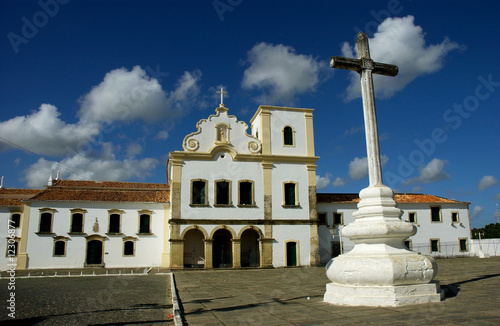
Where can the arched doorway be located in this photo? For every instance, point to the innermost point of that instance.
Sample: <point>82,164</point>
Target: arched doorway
<point>250,255</point>
<point>94,252</point>
<point>222,250</point>
<point>194,249</point>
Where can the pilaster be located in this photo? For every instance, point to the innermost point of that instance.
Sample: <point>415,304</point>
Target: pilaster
<point>236,253</point>
<point>22,257</point>
<point>208,253</point>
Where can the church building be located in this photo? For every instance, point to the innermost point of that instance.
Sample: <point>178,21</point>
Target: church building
<point>235,197</point>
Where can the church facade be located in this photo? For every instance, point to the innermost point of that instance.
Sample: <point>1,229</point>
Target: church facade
<point>236,196</point>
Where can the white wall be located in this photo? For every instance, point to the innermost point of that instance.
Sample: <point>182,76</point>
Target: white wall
<point>490,246</point>
<point>278,120</point>
<point>148,248</point>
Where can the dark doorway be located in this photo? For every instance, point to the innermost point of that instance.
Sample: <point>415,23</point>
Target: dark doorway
<point>222,249</point>
<point>94,252</point>
<point>335,249</point>
<point>291,253</point>
<point>194,249</point>
<point>250,256</point>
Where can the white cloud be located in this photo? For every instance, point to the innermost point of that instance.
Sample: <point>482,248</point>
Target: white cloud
<point>432,172</point>
<point>497,197</point>
<point>399,42</point>
<point>323,182</point>
<point>477,210</point>
<point>339,182</point>
<point>353,131</point>
<point>44,133</point>
<point>132,95</point>
<point>134,149</point>
<point>486,182</point>
<point>281,73</point>
<point>358,168</point>
<point>96,166</point>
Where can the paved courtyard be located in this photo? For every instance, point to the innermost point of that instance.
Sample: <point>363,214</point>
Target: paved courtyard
<point>282,296</point>
<point>293,296</point>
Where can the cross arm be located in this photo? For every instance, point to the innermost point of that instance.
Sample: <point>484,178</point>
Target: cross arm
<point>357,65</point>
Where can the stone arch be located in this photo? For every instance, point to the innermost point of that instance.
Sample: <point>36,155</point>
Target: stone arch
<point>194,246</point>
<point>223,247</point>
<point>251,227</point>
<point>250,247</point>
<point>224,227</point>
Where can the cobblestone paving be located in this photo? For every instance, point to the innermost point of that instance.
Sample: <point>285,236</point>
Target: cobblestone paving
<point>294,296</point>
<point>99,300</point>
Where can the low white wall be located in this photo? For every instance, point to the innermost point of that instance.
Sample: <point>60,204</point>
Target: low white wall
<point>490,246</point>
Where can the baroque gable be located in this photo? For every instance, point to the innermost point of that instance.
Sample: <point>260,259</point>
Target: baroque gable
<point>221,131</point>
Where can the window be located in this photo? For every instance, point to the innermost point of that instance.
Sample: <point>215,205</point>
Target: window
<point>408,244</point>
<point>454,217</point>
<point>77,222</point>
<point>322,218</point>
<point>463,244</point>
<point>223,192</point>
<point>288,136</point>
<point>412,217</point>
<point>290,194</point>
<point>114,223</point>
<point>16,220</point>
<point>60,248</point>
<point>199,192</point>
<point>338,219</point>
<point>246,193</point>
<point>45,222</point>
<point>436,214</point>
<point>144,223</point>
<point>434,245</point>
<point>128,248</point>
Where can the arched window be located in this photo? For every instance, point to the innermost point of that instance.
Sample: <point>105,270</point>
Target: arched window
<point>288,136</point>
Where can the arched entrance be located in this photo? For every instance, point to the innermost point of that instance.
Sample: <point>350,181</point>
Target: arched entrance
<point>250,255</point>
<point>94,252</point>
<point>194,249</point>
<point>222,250</point>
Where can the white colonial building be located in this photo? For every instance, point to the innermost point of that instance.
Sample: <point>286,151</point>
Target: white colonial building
<point>235,198</point>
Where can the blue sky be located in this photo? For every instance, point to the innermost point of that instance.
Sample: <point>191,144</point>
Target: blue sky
<point>104,90</point>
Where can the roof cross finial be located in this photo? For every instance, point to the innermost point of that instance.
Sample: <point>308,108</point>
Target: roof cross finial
<point>221,92</point>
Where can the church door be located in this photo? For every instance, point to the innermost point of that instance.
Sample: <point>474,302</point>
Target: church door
<point>291,253</point>
<point>94,252</point>
<point>250,256</point>
<point>222,249</point>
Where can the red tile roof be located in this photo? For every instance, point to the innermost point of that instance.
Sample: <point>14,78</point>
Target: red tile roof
<point>105,191</point>
<point>14,197</point>
<point>400,198</point>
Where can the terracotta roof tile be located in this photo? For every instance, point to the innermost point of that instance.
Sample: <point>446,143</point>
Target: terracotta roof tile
<point>399,197</point>
<point>105,191</point>
<point>14,197</point>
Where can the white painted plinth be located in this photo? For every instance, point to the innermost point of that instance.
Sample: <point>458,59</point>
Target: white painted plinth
<point>382,296</point>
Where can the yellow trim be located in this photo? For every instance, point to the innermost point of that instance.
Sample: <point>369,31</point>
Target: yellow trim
<point>251,227</point>
<point>283,200</point>
<point>264,108</point>
<point>22,256</point>
<point>191,192</point>
<point>252,204</point>
<point>230,193</point>
<point>77,211</point>
<point>43,211</point>
<point>458,217</point>
<point>309,133</point>
<point>438,245</point>
<point>209,156</point>
<point>440,214</point>
<point>466,245</point>
<point>194,227</point>
<point>223,227</point>
<point>129,239</point>
<point>144,212</point>
<point>415,216</point>
<point>57,239</point>
<point>16,211</point>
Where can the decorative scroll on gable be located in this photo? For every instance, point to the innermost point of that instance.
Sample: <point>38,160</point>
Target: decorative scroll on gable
<point>221,129</point>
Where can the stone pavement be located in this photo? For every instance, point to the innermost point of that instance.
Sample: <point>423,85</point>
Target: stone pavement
<point>294,296</point>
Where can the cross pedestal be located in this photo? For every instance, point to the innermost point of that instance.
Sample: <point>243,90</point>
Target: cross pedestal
<point>379,270</point>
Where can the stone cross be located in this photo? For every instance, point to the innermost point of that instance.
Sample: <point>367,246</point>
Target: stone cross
<point>221,92</point>
<point>365,66</point>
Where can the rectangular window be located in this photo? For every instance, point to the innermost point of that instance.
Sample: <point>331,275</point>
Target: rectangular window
<point>463,244</point>
<point>77,223</point>
<point>412,217</point>
<point>454,217</point>
<point>128,248</point>
<point>114,223</point>
<point>290,194</point>
<point>45,223</point>
<point>436,214</point>
<point>198,193</point>
<point>60,248</point>
<point>246,193</point>
<point>434,245</point>
<point>16,220</point>
<point>144,220</point>
<point>222,193</point>
<point>322,218</point>
<point>337,219</point>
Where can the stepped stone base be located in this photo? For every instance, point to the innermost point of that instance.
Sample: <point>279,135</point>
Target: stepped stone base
<point>382,296</point>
